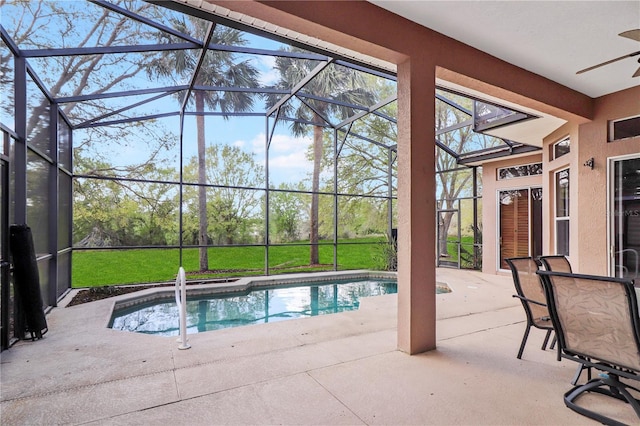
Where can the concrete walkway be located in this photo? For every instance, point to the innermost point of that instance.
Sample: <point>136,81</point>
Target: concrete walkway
<point>331,369</point>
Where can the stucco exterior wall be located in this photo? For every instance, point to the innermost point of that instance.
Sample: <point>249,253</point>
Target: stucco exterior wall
<point>591,208</point>
<point>589,215</point>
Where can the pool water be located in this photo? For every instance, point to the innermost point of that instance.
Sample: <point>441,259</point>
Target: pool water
<point>255,307</point>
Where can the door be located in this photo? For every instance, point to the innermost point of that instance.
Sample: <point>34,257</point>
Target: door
<point>520,224</point>
<point>624,176</point>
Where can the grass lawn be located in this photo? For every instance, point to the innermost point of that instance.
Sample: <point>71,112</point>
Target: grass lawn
<point>466,245</point>
<point>93,268</point>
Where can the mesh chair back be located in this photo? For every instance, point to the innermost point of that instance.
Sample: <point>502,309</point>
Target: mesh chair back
<point>596,317</point>
<point>557,263</point>
<point>528,285</point>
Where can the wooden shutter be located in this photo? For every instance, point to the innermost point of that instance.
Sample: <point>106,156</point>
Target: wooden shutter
<point>514,227</point>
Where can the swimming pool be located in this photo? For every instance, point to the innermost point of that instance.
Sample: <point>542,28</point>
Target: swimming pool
<point>233,308</point>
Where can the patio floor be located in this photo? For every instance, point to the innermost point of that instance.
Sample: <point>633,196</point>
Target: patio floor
<point>332,369</point>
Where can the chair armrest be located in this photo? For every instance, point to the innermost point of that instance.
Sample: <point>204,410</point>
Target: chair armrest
<point>529,300</point>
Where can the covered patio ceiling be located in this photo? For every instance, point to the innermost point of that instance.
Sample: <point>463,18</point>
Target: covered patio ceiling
<point>121,42</point>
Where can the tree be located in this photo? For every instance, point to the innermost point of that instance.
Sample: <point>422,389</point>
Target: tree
<point>219,69</point>
<point>130,213</point>
<point>343,85</point>
<point>95,74</point>
<point>364,166</point>
<point>233,205</point>
<point>286,213</point>
<point>74,75</point>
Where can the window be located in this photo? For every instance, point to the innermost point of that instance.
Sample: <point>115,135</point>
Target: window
<point>624,128</point>
<point>520,171</point>
<point>561,148</point>
<point>562,212</point>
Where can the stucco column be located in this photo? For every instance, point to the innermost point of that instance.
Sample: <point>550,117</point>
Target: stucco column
<point>416,206</point>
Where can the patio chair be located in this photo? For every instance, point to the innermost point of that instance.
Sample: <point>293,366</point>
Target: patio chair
<point>560,263</point>
<point>597,325</point>
<point>556,262</point>
<point>530,292</point>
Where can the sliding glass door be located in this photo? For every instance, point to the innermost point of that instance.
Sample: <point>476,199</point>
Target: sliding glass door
<point>624,178</point>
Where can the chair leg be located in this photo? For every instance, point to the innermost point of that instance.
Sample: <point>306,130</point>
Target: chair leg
<point>576,377</point>
<point>553,342</point>
<point>524,341</point>
<point>546,340</point>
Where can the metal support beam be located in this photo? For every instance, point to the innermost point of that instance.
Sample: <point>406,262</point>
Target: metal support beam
<point>335,199</point>
<point>454,105</point>
<point>475,217</point>
<point>267,143</point>
<point>53,208</point>
<point>346,135</point>
<point>390,193</point>
<point>126,120</point>
<point>20,146</point>
<point>317,113</point>
<point>121,11</point>
<point>368,110</point>
<point>106,50</point>
<point>317,70</point>
<point>95,96</point>
<point>446,149</point>
<point>118,111</point>
<point>273,129</point>
<point>196,71</point>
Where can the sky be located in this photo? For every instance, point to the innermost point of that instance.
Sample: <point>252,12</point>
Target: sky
<point>288,161</point>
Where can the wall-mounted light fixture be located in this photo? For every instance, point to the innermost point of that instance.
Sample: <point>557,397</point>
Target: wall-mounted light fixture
<point>589,163</point>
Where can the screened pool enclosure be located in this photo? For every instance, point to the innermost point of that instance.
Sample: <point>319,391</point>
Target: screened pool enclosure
<point>141,136</point>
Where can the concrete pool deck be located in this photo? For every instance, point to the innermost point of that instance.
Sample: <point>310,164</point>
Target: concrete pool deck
<point>331,369</point>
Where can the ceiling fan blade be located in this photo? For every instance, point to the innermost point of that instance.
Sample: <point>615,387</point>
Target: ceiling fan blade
<point>609,62</point>
<point>637,73</point>
<point>632,34</point>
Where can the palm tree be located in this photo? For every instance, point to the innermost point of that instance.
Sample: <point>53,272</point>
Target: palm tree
<point>218,69</point>
<point>343,85</point>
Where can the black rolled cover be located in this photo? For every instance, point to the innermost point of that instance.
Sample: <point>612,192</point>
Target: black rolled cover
<point>27,279</point>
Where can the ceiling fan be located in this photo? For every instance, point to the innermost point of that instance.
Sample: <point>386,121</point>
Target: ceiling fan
<point>633,35</point>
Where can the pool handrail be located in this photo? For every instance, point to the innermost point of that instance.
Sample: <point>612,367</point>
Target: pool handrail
<point>181,302</point>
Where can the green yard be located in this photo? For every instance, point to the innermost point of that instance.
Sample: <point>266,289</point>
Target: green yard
<point>94,268</point>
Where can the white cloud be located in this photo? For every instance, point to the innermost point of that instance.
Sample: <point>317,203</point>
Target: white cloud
<point>268,73</point>
<point>287,156</point>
